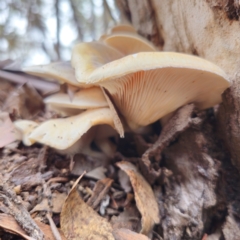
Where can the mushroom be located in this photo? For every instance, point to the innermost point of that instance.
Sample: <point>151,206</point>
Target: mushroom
<point>72,135</point>
<point>128,43</point>
<point>60,71</point>
<point>84,99</point>
<point>100,55</point>
<point>24,129</point>
<point>149,85</point>
<point>62,133</point>
<point>123,28</point>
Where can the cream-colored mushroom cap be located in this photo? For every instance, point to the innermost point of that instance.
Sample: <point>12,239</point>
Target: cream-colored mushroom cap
<point>123,28</point>
<point>84,99</point>
<point>25,128</point>
<point>91,56</point>
<point>60,71</point>
<point>129,43</point>
<point>147,86</point>
<point>64,132</point>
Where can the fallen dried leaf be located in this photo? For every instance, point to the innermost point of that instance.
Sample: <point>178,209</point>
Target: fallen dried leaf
<point>130,218</point>
<point>85,163</point>
<point>126,234</point>
<point>7,130</point>
<point>79,221</point>
<point>25,102</point>
<point>57,203</point>
<point>9,224</point>
<point>48,231</point>
<point>144,196</point>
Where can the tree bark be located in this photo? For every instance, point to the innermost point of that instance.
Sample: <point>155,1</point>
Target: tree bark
<point>199,186</point>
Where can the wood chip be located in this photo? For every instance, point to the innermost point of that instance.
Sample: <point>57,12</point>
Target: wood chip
<point>99,192</point>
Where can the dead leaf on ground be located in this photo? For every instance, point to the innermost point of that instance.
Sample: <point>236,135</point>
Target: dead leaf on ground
<point>7,130</point>
<point>79,221</point>
<point>144,196</point>
<point>5,88</point>
<point>126,234</point>
<point>24,102</point>
<point>57,203</point>
<point>100,190</point>
<point>85,163</point>
<point>130,218</point>
<point>8,223</point>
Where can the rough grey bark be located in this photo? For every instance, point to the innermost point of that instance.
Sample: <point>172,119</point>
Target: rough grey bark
<point>199,183</point>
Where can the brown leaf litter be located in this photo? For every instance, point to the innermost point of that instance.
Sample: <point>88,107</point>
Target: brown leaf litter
<point>80,221</point>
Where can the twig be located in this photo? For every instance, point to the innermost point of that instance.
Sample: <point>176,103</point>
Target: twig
<point>19,212</point>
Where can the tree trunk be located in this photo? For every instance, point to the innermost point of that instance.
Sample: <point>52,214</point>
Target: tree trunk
<point>199,180</point>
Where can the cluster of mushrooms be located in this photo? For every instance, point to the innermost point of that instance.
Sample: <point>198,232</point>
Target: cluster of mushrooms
<point>119,83</point>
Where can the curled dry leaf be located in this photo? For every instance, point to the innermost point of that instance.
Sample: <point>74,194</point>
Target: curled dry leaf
<point>130,219</point>
<point>7,130</point>
<point>144,196</point>
<point>79,221</point>
<point>8,223</point>
<point>25,102</point>
<point>126,234</point>
<point>57,203</point>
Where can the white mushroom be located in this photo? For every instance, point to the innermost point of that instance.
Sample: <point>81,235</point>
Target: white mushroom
<point>60,71</point>
<point>84,99</point>
<point>149,85</point>
<point>128,43</point>
<point>123,28</point>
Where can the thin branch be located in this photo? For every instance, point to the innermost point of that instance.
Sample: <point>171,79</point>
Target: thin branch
<point>76,19</point>
<point>106,6</point>
<point>58,45</point>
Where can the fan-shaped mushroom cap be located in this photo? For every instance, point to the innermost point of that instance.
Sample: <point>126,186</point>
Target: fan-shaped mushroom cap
<point>64,111</point>
<point>147,86</point>
<point>129,43</point>
<point>25,127</point>
<point>123,28</point>
<point>91,56</point>
<point>84,99</point>
<point>61,71</point>
<point>63,133</point>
